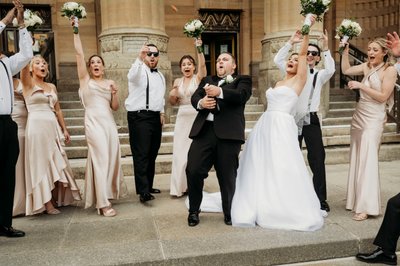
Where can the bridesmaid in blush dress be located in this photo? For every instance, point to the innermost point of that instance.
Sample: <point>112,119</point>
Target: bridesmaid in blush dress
<point>49,177</point>
<point>99,96</point>
<point>19,115</point>
<point>180,95</point>
<point>376,94</point>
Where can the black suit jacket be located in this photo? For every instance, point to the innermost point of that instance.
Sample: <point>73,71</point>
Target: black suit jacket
<point>229,122</point>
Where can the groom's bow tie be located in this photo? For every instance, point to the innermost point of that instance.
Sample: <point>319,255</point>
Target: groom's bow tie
<point>153,70</point>
<point>311,70</point>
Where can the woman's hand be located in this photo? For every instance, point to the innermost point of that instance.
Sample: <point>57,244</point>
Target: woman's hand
<point>355,85</point>
<point>67,136</point>
<point>114,89</point>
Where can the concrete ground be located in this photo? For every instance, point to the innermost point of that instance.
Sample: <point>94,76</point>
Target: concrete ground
<point>156,233</point>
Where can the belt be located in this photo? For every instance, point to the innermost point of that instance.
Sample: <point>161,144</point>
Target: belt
<point>144,111</point>
<point>4,117</point>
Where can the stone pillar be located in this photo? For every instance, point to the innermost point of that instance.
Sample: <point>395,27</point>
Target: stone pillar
<point>281,19</point>
<point>125,27</point>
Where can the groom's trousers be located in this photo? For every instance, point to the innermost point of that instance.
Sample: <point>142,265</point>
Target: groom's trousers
<point>312,135</point>
<point>205,151</point>
<point>389,231</point>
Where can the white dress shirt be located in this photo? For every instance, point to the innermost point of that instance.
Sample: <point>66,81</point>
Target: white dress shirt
<point>137,83</point>
<point>323,74</point>
<point>14,65</point>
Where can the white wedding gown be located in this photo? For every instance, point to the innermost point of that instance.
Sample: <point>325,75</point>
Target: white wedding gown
<point>274,188</point>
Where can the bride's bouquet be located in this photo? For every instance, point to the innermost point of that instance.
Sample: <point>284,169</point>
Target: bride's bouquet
<point>194,29</point>
<point>73,9</point>
<point>346,31</point>
<point>309,7</point>
<point>32,20</point>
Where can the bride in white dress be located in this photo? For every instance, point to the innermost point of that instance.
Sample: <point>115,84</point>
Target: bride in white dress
<point>274,188</point>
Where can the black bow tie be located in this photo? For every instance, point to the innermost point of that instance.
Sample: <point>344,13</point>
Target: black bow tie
<point>311,71</point>
<point>153,70</point>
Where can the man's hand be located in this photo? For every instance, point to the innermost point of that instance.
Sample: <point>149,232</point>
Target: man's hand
<point>393,43</point>
<point>143,52</point>
<point>20,11</point>
<point>9,17</point>
<point>324,38</point>
<point>212,90</point>
<point>208,102</point>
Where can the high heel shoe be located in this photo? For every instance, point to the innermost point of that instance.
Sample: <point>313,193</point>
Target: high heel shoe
<point>107,212</point>
<point>53,211</point>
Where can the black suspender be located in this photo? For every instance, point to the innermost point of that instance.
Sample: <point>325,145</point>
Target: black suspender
<point>147,92</point>
<point>9,82</point>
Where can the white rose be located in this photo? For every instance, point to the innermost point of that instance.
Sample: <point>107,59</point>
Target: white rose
<point>27,14</point>
<point>83,13</point>
<point>313,1</point>
<point>38,20</point>
<point>229,79</point>
<point>346,23</point>
<point>326,2</point>
<point>190,27</point>
<point>197,24</point>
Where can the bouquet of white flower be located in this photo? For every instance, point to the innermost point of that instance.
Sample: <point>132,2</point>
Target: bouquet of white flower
<point>32,20</point>
<point>309,7</point>
<point>73,9</point>
<point>346,31</point>
<point>193,29</point>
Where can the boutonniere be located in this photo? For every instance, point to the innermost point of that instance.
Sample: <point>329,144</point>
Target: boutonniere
<point>228,79</point>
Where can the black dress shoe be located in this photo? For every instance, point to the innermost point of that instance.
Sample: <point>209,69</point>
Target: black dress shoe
<point>325,206</point>
<point>11,232</point>
<point>378,256</point>
<point>227,220</point>
<point>145,197</point>
<point>193,218</point>
<point>155,190</point>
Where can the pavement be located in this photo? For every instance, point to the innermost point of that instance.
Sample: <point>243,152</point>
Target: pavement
<point>156,233</point>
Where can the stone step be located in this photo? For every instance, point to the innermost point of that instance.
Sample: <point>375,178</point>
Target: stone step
<point>334,155</point>
<point>79,112</point>
<point>339,130</point>
<point>343,112</point>
<point>71,104</point>
<point>345,104</point>
<point>68,96</point>
<point>342,98</point>
<point>336,121</point>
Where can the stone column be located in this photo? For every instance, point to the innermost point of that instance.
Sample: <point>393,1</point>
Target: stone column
<point>125,27</point>
<point>281,19</point>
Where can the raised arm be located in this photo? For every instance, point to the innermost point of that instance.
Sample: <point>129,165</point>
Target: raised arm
<point>80,61</point>
<point>302,68</point>
<point>346,68</point>
<point>201,61</point>
<point>281,55</point>
<point>136,67</point>
<point>326,73</point>
<point>25,54</point>
<point>26,80</point>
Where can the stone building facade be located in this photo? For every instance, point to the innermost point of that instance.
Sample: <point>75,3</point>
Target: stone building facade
<point>253,30</point>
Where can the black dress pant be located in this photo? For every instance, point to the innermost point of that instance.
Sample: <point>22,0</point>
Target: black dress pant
<point>9,151</point>
<point>389,231</point>
<point>205,151</point>
<point>145,140</point>
<point>312,135</point>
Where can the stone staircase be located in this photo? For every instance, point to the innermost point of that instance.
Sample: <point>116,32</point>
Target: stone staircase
<point>335,129</point>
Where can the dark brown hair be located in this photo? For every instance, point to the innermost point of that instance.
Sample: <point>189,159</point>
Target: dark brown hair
<point>95,55</point>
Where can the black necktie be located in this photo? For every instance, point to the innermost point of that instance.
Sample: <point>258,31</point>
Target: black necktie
<point>153,70</point>
<point>311,71</point>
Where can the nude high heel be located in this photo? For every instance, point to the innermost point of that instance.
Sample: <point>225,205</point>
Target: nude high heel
<point>107,212</point>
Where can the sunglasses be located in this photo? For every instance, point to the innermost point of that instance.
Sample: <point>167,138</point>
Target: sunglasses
<point>313,53</point>
<point>153,53</point>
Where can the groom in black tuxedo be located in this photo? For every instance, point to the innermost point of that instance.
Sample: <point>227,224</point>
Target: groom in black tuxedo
<point>217,133</point>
